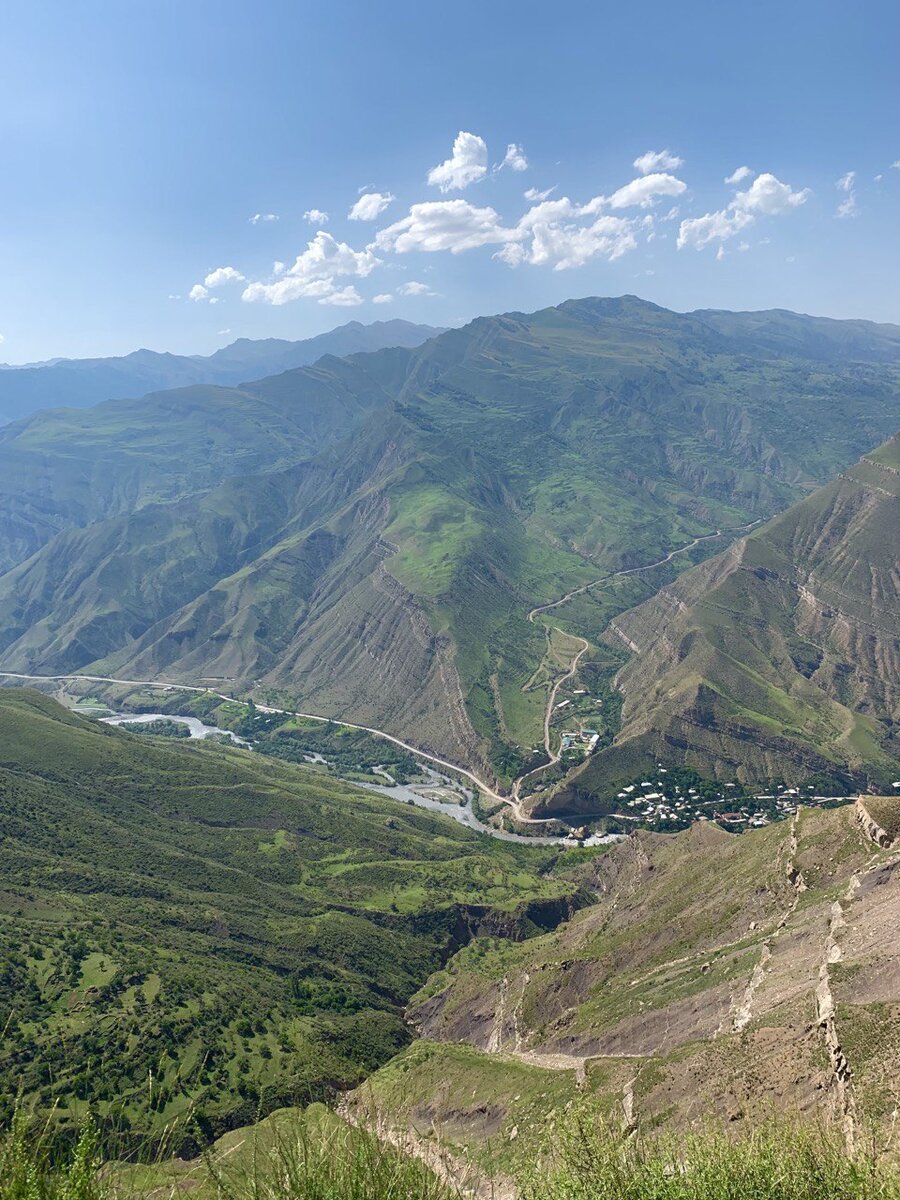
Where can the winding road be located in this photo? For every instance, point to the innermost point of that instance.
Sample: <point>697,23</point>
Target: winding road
<point>553,757</point>
<point>512,801</point>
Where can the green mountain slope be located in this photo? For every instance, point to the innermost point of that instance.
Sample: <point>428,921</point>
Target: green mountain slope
<point>65,469</point>
<point>718,980</point>
<point>188,924</point>
<point>780,657</point>
<point>79,383</point>
<point>493,469</point>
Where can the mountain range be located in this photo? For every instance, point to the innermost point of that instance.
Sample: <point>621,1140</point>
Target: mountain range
<point>781,653</point>
<point>368,536</point>
<point>79,383</point>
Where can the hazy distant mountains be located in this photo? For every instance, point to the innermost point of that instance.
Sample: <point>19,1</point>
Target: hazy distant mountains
<point>367,535</point>
<point>77,383</point>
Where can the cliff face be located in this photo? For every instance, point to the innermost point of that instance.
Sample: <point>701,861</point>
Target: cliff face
<point>780,656</point>
<point>879,819</point>
<point>715,977</point>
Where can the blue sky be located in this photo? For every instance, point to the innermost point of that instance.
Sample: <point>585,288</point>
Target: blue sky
<point>139,138</point>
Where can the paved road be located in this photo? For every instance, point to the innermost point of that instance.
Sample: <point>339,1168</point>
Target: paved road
<point>512,801</point>
<point>553,758</point>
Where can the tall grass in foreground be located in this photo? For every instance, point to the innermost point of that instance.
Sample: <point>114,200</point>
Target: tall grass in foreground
<point>30,1169</point>
<point>593,1160</point>
<point>323,1159</point>
<point>314,1155</point>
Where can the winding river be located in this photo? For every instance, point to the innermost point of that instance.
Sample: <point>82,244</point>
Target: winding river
<point>196,727</point>
<point>402,793</point>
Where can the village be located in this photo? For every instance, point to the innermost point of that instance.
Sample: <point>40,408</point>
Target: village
<point>675,799</point>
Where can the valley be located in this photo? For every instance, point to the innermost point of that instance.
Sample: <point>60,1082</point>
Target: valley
<point>466,733</point>
<point>449,601</point>
<point>375,557</point>
<point>240,929</point>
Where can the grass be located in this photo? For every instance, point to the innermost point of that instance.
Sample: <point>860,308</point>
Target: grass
<point>582,1154</point>
<point>31,1168</point>
<point>294,1154</point>
<point>588,1158</point>
<point>192,927</point>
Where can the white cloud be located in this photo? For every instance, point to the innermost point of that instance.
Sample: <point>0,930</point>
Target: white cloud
<point>712,227</point>
<point>656,160</point>
<point>257,218</point>
<point>222,332</point>
<point>568,245</point>
<point>315,216</point>
<point>534,195</point>
<point>467,163</point>
<point>313,273</point>
<point>766,196</point>
<point>769,197</point>
<point>198,292</point>
<point>744,247</point>
<point>222,275</point>
<point>2,339</point>
<point>848,206</point>
<point>383,298</point>
<point>555,210</point>
<point>369,206</point>
<point>345,297</point>
<point>513,254</point>
<point>453,225</point>
<point>514,159</point>
<point>551,233</point>
<point>645,191</point>
<point>414,288</point>
<point>738,176</point>
<point>895,166</point>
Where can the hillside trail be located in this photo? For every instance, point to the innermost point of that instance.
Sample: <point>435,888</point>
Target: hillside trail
<point>511,801</point>
<point>552,756</point>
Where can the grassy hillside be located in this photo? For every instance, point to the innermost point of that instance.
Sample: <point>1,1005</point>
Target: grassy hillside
<point>184,925</point>
<point>313,1154</point>
<point>717,981</point>
<point>493,469</point>
<point>780,657</point>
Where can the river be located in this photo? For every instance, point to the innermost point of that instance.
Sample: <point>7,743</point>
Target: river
<point>196,727</point>
<point>402,793</point>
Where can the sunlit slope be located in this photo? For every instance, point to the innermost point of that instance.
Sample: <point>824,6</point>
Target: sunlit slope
<point>243,932</point>
<point>780,657</point>
<point>504,464</point>
<point>718,979</point>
